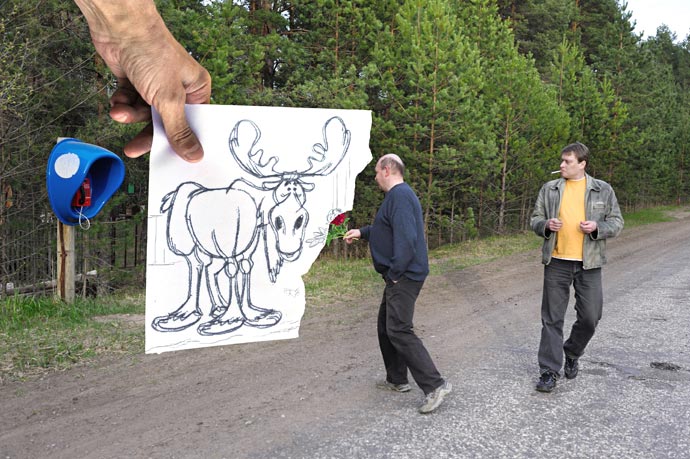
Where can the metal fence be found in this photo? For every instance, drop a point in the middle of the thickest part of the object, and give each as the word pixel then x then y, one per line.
pixel 109 254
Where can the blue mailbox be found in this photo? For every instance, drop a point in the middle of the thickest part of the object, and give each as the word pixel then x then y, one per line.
pixel 80 179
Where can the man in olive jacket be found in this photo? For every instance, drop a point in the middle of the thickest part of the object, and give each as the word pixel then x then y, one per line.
pixel 575 214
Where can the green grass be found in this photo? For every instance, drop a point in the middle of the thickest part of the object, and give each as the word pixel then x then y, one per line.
pixel 38 334
pixel 470 253
pixel 651 215
pixel 331 281
pixel 41 334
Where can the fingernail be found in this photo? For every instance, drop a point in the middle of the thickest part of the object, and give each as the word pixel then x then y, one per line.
pixel 194 155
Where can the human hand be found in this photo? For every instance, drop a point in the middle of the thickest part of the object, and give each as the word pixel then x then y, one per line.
pixel 588 226
pixel 554 224
pixel 152 69
pixel 352 235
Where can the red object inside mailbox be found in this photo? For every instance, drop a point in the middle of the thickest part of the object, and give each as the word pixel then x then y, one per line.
pixel 82 198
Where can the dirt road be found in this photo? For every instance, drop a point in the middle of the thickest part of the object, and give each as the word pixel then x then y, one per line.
pixel 315 396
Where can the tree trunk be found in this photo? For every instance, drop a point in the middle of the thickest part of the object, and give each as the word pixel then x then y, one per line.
pixel 452 218
pixel 432 138
pixel 504 172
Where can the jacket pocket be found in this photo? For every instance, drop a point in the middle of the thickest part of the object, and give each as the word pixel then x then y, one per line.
pixel 598 210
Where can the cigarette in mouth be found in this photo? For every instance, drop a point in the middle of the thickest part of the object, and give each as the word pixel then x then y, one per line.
pixel 556 172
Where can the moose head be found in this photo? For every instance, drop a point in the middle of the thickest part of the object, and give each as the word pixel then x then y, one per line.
pixel 287 216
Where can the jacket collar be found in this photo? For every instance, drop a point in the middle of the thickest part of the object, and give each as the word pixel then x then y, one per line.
pixel 591 183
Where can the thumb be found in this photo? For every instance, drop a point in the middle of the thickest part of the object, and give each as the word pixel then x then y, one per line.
pixel 180 136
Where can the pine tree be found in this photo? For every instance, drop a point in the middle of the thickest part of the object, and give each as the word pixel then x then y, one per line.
pixel 528 123
pixel 430 109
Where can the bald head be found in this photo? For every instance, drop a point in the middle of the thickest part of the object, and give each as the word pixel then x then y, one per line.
pixel 392 161
pixel 389 171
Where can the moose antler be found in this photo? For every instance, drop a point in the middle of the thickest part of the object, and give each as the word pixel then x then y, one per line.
pixel 336 141
pixel 244 136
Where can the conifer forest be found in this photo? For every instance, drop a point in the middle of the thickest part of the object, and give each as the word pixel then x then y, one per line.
pixel 476 96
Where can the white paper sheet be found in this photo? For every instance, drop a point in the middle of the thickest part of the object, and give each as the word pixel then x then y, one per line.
pixel 230 237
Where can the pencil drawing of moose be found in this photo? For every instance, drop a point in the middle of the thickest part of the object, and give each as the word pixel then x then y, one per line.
pixel 218 230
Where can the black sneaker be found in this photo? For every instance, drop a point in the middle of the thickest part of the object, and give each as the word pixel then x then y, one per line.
pixel 547 381
pixel 404 387
pixel 571 367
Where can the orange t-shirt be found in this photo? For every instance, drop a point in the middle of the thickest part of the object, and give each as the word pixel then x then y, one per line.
pixel 570 238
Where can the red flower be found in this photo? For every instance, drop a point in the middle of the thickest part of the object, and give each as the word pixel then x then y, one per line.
pixel 337 228
pixel 339 220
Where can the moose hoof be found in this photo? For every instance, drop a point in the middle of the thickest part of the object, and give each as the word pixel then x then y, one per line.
pixel 218 311
pixel 265 319
pixel 220 327
pixel 175 322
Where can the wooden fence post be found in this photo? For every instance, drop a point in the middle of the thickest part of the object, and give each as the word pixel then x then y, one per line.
pixel 65 262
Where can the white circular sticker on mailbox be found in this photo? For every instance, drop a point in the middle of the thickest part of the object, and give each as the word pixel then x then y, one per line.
pixel 67 165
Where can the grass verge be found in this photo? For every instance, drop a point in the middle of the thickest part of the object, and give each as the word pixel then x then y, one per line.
pixel 41 334
pixel 470 253
pixel 652 215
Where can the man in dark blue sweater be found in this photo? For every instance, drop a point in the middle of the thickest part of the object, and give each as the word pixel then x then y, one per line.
pixel 398 249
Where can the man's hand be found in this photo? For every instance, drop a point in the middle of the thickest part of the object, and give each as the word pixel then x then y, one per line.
pixel 352 235
pixel 554 224
pixel 152 69
pixel 588 226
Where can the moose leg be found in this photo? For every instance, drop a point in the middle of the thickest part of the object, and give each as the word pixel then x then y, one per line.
pixel 188 313
pixel 254 315
pixel 219 304
pixel 230 318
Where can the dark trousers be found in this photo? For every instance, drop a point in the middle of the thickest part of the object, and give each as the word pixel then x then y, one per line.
pixel 559 275
pixel 400 347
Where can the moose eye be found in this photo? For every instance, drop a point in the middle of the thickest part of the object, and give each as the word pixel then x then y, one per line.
pixel 279 223
pixel 299 222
